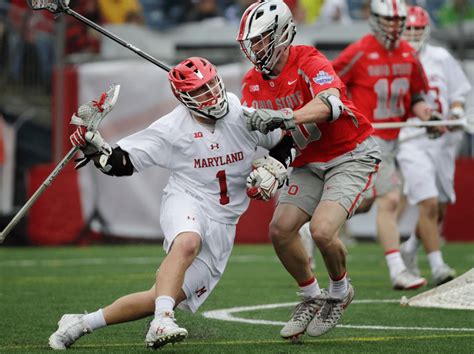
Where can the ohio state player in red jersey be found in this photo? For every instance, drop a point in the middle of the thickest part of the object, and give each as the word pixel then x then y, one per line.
pixel 297 88
pixel 386 82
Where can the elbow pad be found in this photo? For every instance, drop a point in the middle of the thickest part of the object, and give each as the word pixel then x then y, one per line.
pixel 334 103
pixel 116 164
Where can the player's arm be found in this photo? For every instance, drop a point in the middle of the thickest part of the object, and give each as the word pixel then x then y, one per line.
pixel 325 107
pixel 113 162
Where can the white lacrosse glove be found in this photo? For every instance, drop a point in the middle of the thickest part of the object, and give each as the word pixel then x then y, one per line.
pixel 268 175
pixel 261 184
pixel 91 144
pixel 265 120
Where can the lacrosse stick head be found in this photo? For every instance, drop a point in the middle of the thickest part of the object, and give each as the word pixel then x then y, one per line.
pixel 92 113
pixel 54 6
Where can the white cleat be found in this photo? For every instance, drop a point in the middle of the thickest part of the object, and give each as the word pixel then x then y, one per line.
pixel 410 258
pixel 443 274
pixel 164 330
pixel 70 328
pixel 330 313
pixel 302 315
pixel 405 280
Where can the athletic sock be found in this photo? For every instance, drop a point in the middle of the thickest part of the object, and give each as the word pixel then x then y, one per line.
pixel 435 259
pixel 163 303
pixel 309 288
pixel 95 319
pixel 338 287
pixel 412 244
pixel 394 262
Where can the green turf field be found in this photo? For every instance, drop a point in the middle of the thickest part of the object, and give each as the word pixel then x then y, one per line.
pixel 38 285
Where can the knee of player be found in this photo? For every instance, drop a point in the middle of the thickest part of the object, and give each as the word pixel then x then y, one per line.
pixel 429 208
pixel 323 232
pixel 280 234
pixel 389 202
pixel 187 244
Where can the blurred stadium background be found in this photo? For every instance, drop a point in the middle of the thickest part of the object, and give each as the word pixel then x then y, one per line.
pixel 49 66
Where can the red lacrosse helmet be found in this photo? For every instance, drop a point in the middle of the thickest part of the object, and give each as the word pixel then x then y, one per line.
pixel 197 85
pixel 417 30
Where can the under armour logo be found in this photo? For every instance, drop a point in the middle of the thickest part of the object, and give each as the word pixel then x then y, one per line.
pixel 214 146
pixel 198 135
pixel 200 292
pixel 191 218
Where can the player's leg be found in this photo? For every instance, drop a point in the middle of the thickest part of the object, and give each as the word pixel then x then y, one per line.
pixel 388 187
pixel 308 244
pixel 184 226
pixel 344 186
pixel 296 203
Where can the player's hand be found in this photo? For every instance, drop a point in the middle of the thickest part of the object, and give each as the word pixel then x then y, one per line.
pixel 91 144
pixel 265 120
pixel 436 132
pixel 261 184
pixel 455 113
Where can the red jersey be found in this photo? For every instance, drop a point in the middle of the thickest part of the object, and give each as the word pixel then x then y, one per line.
pixel 305 75
pixel 381 83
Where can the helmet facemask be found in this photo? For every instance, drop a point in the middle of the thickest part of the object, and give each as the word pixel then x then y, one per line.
pixel 266 31
pixel 197 85
pixel 208 101
pixel 388 30
pixel 417 31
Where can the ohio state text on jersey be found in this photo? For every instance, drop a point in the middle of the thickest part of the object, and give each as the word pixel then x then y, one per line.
pixel 306 74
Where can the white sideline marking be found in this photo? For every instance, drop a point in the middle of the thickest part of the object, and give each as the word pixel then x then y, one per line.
pixel 227 315
pixel 61 262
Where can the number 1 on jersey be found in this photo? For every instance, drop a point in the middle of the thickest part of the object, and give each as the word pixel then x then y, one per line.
pixel 224 199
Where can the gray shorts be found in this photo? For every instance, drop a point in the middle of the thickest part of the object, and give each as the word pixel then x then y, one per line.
pixel 342 180
pixel 388 176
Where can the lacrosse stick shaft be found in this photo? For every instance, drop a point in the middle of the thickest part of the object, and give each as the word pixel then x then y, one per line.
pixel 431 123
pixel 47 182
pixel 116 39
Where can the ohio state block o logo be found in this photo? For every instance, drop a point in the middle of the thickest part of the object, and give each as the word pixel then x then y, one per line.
pixel 293 189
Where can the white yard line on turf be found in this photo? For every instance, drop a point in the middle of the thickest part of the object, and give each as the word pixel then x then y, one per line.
pixel 122 260
pixel 228 315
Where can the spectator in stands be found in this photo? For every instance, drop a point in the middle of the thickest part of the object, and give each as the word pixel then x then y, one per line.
pixel 203 10
pixel 31 31
pixel 311 9
pixel 121 11
pixel 80 38
pixel 335 11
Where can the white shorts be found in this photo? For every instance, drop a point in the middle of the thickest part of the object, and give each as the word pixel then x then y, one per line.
pixel 179 213
pixel 428 167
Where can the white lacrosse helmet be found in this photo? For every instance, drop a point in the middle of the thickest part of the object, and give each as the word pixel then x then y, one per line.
pixel 417 27
pixel 197 85
pixel 266 30
pixel 387 20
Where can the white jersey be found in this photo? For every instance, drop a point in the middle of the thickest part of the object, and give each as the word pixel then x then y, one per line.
pixel 211 167
pixel 447 83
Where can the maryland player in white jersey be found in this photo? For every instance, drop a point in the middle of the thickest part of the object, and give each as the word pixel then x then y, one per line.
pixel 207 147
pixel 428 164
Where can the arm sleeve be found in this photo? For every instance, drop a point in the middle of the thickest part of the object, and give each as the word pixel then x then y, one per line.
pixel 149 147
pixel 458 84
pixel 320 75
pixel 344 64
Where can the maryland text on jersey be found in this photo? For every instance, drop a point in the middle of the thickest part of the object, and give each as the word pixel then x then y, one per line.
pixel 219 160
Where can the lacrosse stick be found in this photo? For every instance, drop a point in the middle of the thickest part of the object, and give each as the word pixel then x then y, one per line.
pixel 62 6
pixel 88 115
pixel 466 123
